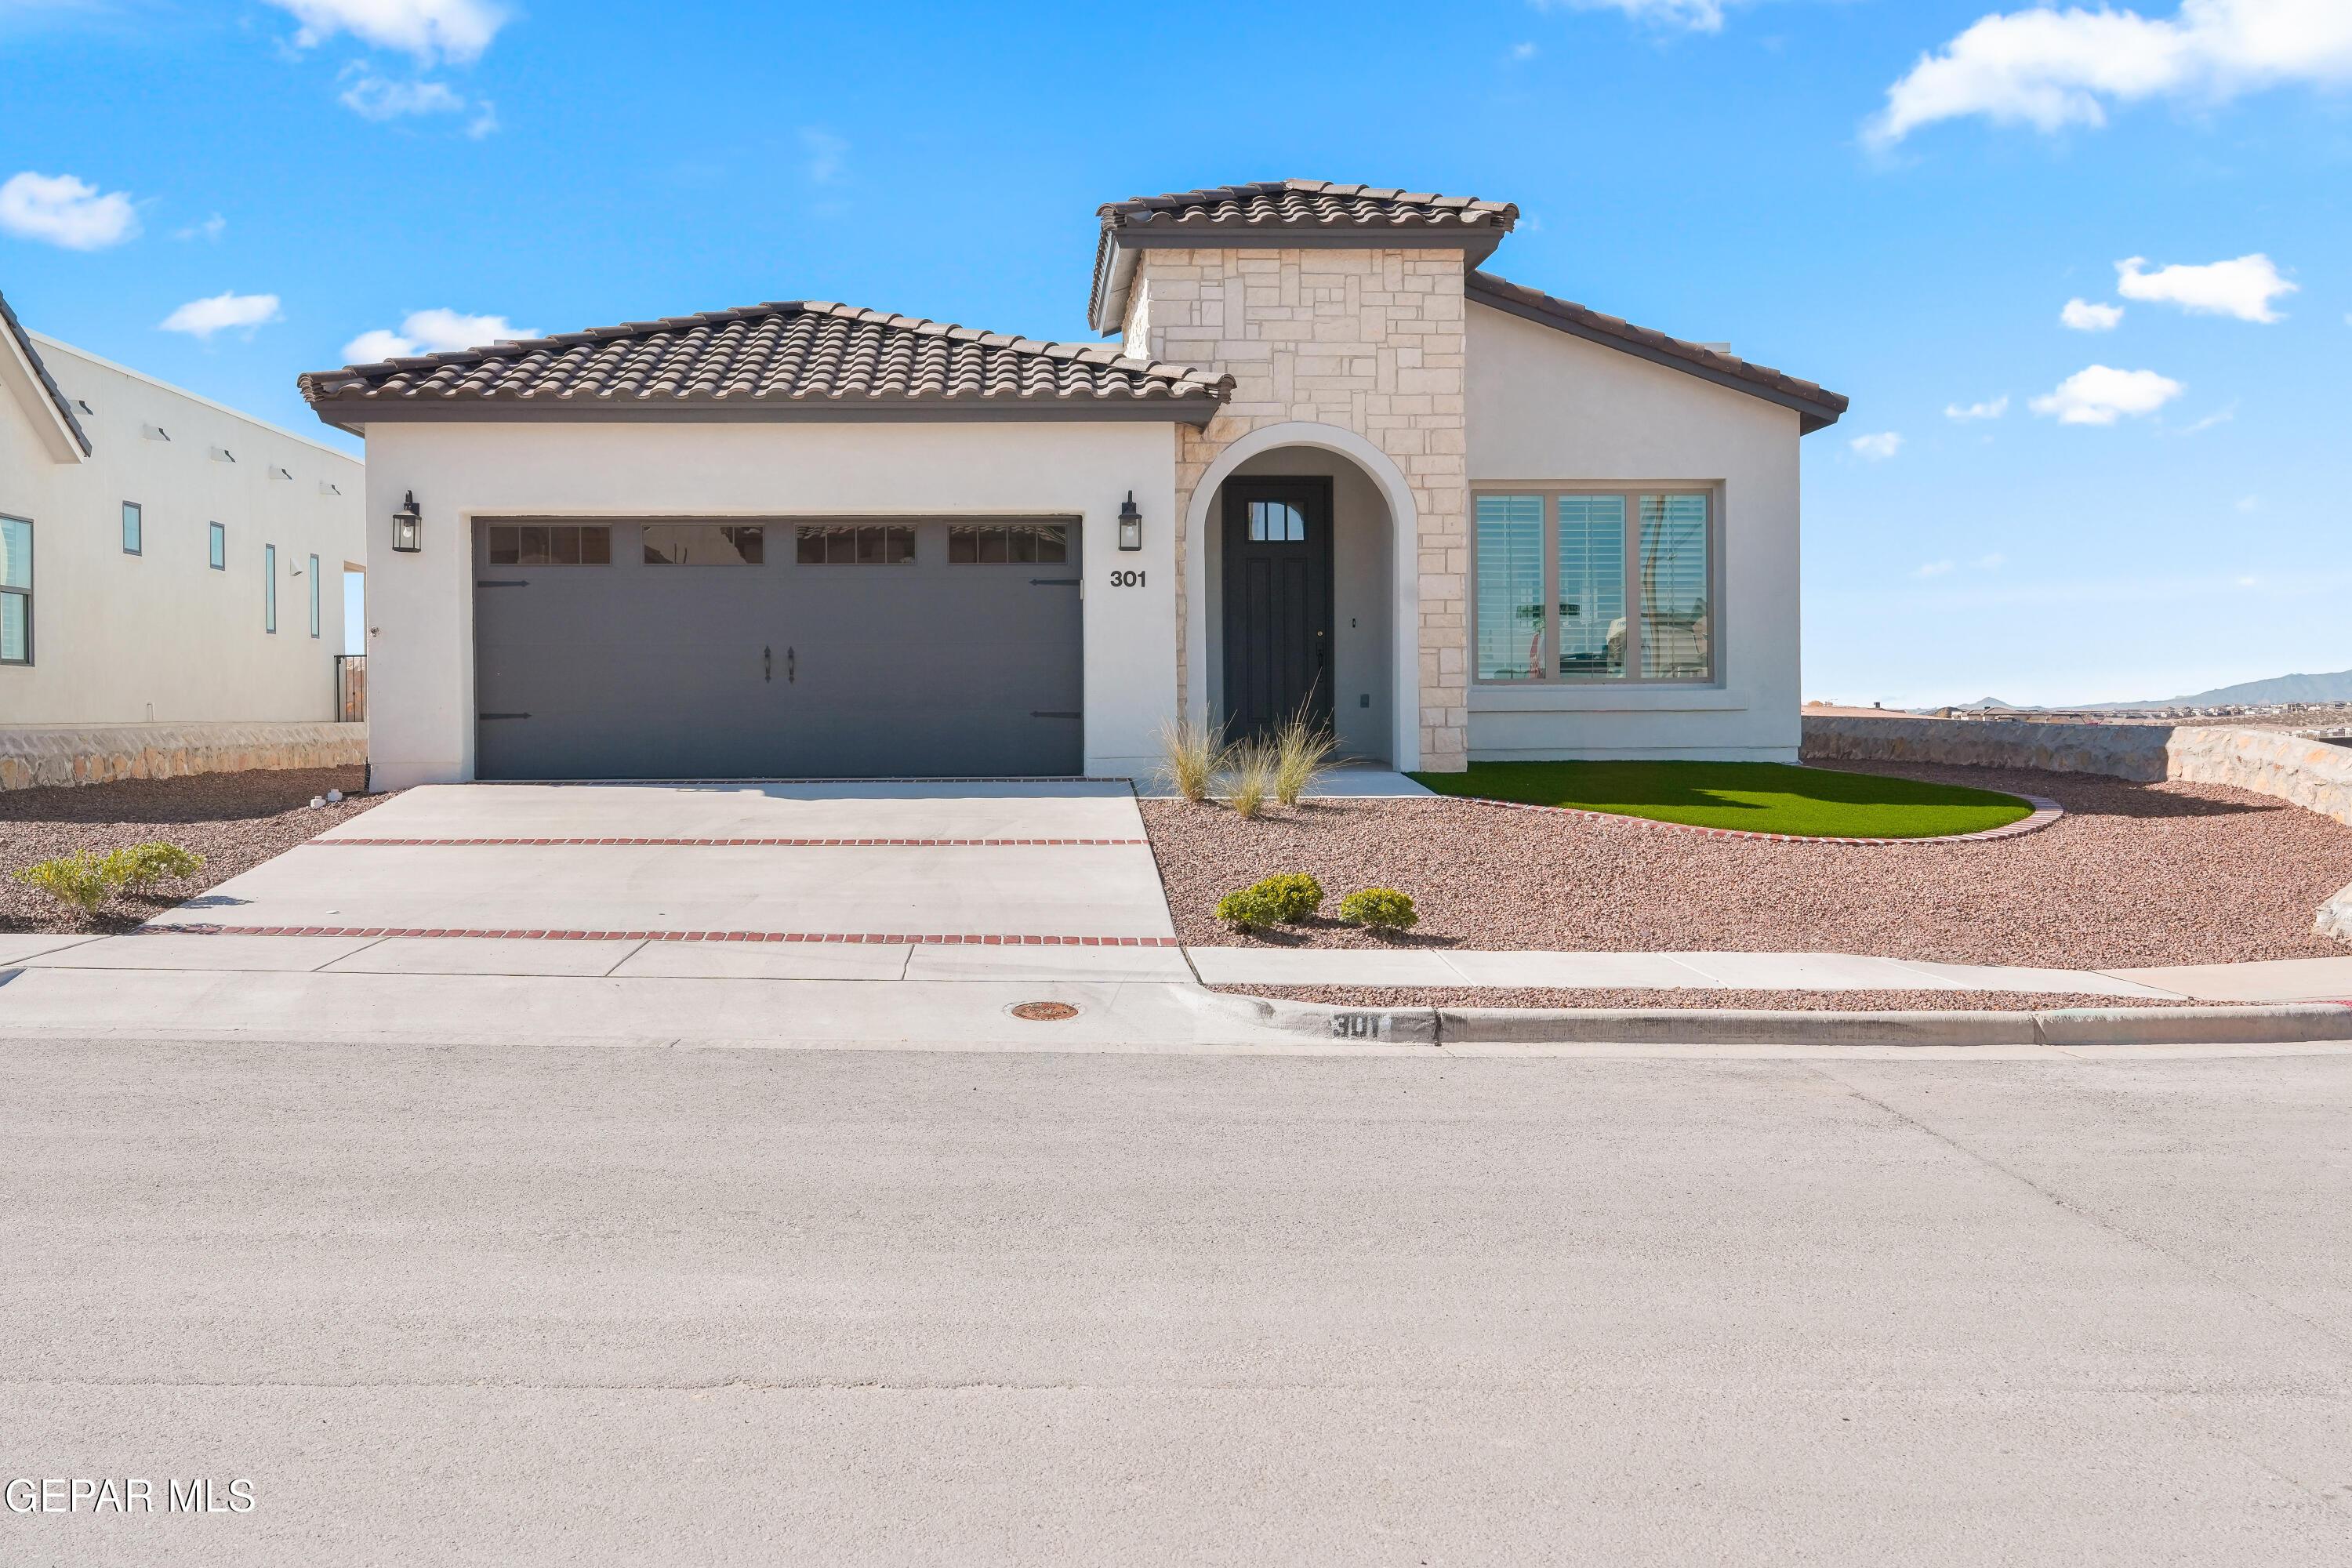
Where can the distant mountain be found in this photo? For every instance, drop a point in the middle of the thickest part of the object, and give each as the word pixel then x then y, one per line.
pixel 2335 688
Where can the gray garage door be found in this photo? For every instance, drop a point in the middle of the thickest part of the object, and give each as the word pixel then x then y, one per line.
pixel 777 649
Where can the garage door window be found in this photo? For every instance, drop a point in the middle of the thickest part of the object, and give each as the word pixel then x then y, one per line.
pixel 987 542
pixel 556 544
pixel 705 544
pixel 859 544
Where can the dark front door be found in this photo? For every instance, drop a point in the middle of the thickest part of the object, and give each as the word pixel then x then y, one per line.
pixel 1277 608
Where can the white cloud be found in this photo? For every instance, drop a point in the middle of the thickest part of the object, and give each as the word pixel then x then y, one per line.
pixel 1992 409
pixel 2250 504
pixel 485 121
pixel 1696 15
pixel 2051 69
pixel 827 155
pixel 1878 448
pixel 2085 317
pixel 2218 417
pixel 210 228
pixel 1932 569
pixel 431 331
pixel 1992 563
pixel 2243 288
pixel 201 318
pixel 2099 395
pixel 429 30
pixel 1523 51
pixel 374 97
pixel 64 211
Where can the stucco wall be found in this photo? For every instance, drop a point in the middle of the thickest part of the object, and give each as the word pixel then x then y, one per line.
pixel 1364 342
pixel 420 669
pixel 159 637
pixel 1548 408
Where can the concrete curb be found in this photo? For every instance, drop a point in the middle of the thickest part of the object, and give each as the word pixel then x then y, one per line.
pixel 2274 1024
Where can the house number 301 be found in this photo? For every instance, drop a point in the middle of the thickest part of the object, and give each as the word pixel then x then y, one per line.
pixel 1126 579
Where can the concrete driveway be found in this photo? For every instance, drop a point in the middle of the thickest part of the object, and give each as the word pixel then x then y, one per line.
pixel 626 874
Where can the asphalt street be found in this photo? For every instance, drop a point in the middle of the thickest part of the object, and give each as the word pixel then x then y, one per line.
pixel 583 1305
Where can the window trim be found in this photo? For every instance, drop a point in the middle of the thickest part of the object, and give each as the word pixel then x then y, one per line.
pixel 25 593
pixel 134 527
pixel 1635 631
pixel 269 589
pixel 217 546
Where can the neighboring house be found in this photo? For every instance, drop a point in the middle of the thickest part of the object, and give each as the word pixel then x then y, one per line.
pixel 1329 464
pixel 164 559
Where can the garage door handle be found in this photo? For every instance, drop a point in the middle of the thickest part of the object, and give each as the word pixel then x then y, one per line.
pixel 767 664
pixel 513 583
pixel 504 715
pixel 1034 714
pixel 791 666
pixel 1053 582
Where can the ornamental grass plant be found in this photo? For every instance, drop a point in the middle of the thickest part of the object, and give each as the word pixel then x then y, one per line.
pixel 1303 752
pixel 1251 765
pixel 1188 755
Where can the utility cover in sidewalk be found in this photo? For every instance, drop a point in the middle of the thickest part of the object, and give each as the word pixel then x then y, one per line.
pixel 1044 1012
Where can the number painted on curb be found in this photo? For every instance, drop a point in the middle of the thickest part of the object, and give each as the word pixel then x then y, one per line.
pixel 1126 579
pixel 1359 1026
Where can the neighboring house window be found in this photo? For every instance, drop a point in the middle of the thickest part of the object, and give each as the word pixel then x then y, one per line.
pixel 15 591
pixel 269 588
pixel 133 530
pixel 705 544
pixel 218 548
pixel 314 595
pixel 986 542
pixel 1552 574
pixel 860 545
pixel 554 545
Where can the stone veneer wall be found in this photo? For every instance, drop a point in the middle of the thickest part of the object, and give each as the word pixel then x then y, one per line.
pixel 36 755
pixel 1368 341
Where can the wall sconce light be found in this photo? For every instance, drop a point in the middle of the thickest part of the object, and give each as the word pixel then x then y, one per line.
pixel 406 522
pixel 1131 525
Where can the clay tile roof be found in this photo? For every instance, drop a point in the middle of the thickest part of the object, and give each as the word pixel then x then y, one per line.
pixel 1284 212
pixel 778 359
pixel 1816 407
pixel 1307 204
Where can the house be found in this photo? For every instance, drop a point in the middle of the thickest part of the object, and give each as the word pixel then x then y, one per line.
pixel 1329 464
pixel 164 561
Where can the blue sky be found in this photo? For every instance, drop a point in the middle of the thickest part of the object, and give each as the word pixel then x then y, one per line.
pixel 1897 198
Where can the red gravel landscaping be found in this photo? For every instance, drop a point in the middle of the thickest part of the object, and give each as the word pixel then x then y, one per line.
pixel 235 821
pixel 2136 874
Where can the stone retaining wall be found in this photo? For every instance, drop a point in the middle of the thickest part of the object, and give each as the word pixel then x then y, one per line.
pixel 33 755
pixel 2312 774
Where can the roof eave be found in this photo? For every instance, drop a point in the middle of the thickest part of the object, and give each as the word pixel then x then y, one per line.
pixel 1815 411
pixel 355 414
pixel 23 369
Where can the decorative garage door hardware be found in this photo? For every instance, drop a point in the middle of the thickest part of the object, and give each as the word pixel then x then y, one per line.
pixel 888 939
pixel 2045 811
pixel 722 843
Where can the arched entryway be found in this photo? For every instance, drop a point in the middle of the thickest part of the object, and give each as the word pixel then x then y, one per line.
pixel 1305 588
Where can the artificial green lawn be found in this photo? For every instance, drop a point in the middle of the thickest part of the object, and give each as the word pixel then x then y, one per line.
pixel 1756 798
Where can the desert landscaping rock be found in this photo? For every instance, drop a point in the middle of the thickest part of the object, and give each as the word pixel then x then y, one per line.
pixel 235 821
pixel 2136 874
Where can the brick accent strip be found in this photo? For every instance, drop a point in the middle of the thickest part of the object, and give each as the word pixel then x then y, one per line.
pixel 775 843
pixel 951 938
pixel 2045 811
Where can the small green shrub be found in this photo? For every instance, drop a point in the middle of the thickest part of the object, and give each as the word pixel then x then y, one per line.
pixel 1249 909
pixel 78 881
pixel 1381 909
pixel 141 865
pixel 1296 894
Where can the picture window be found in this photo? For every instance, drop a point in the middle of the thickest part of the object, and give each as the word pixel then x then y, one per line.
pixel 550 544
pixel 984 542
pixel 856 544
pixel 1554 571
